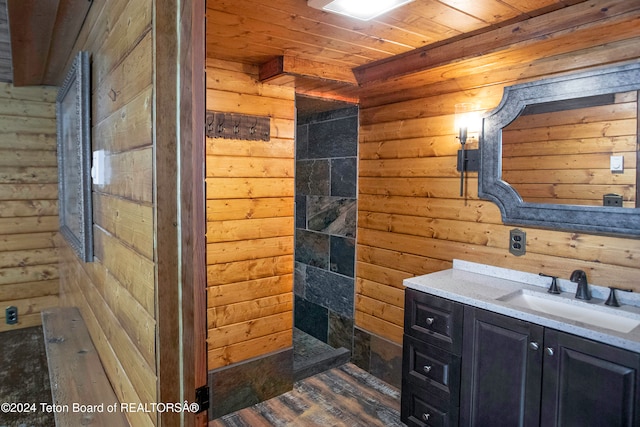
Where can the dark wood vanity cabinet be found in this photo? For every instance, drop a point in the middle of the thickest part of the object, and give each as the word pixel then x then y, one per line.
pixel 588 384
pixel 431 361
pixel 471 367
pixel 501 370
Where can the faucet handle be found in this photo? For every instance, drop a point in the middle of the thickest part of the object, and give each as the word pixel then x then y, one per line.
pixel 612 300
pixel 553 288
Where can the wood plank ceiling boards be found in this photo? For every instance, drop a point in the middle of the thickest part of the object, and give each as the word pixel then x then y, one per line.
pixel 331 56
pixel 42 35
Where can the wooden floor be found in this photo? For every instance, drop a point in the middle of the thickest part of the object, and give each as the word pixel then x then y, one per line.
pixel 343 396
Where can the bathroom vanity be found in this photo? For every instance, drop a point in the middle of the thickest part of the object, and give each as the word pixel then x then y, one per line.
pixel 486 346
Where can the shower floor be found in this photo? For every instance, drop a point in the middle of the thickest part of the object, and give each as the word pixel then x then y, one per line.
pixel 312 356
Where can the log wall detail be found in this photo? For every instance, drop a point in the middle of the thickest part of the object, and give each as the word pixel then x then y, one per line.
pixel 28 202
pixel 116 293
pixel 250 220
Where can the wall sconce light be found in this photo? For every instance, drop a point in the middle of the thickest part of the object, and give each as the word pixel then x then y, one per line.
pixel 466 120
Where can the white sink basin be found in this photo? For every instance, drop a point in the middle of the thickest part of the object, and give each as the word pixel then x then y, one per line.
pixel 572 309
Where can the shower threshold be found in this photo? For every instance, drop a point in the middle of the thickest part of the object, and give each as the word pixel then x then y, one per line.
pixel 312 356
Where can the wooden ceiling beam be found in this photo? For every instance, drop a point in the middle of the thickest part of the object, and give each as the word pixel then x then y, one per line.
pixel 536 28
pixel 42 36
pixel 290 66
pixel 71 15
pixel 31 24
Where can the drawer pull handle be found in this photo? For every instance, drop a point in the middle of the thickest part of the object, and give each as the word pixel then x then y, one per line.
pixel 549 351
pixel 429 321
pixel 534 346
pixel 427 368
pixel 426 416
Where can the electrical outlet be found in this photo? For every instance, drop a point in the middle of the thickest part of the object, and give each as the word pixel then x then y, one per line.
pixel 612 200
pixel 517 242
pixel 11 315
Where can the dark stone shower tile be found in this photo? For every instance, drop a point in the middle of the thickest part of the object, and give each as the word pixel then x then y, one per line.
pixel 324 116
pixel 250 382
pixel 332 215
pixel 312 248
pixel 311 318
pixel 343 177
pixel 340 331
pixel 330 290
pixel 386 360
pixel 335 138
pixel 301 212
pixel 361 354
pixel 299 278
pixel 302 138
pixel 312 178
pixel 342 255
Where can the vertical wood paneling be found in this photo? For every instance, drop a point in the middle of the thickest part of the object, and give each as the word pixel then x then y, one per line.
pixel 411 219
pixel 28 202
pixel 116 293
pixel 250 189
pixel 179 201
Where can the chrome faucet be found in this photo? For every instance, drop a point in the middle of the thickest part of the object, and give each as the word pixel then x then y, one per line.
pixel 580 277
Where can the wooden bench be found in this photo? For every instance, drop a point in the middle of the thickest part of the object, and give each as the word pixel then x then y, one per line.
pixel 81 391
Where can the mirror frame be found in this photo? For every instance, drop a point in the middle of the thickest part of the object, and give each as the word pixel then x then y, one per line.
pixel 74 172
pixel 515 211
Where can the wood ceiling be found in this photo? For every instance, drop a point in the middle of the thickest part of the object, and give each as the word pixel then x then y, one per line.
pixel 321 53
pixel 331 55
pixel 41 35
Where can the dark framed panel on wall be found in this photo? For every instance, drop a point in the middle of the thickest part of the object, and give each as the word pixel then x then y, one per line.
pixel 74 158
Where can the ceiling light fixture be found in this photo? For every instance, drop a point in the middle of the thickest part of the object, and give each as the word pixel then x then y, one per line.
pixel 359 9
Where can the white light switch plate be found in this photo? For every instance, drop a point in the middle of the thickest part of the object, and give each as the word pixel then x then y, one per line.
pixel 617 163
pixel 99 168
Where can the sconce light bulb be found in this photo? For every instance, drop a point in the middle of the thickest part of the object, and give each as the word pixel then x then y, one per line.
pixel 463 135
pixel 466 120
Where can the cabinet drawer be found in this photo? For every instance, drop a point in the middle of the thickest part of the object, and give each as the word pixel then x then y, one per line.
pixel 433 320
pixel 421 409
pixel 432 369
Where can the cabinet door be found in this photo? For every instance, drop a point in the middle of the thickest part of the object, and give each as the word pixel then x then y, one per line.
pixel 586 383
pixel 501 370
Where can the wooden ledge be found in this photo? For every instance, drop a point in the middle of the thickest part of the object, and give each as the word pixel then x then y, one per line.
pixel 80 388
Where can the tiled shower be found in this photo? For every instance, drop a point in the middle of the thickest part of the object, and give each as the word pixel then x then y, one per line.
pixel 326 178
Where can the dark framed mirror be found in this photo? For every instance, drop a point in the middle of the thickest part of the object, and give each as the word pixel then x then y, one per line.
pixel 74 158
pixel 562 153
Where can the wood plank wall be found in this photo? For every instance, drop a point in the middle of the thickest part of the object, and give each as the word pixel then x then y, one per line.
pixel 28 202
pixel 411 218
pixel 116 293
pixel 563 157
pixel 250 221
